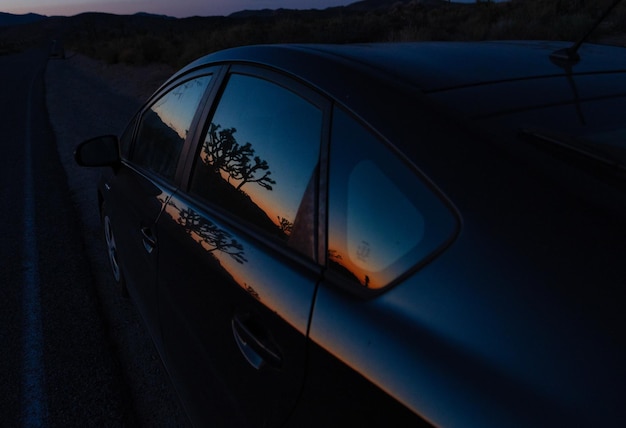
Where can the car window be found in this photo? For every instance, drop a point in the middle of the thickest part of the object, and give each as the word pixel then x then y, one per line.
pixel 259 159
pixel 164 127
pixel 383 219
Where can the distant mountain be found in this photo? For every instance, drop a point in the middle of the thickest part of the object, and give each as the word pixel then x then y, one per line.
pixel 152 15
pixel 8 19
pixel 365 5
pixel 359 6
pixel 261 13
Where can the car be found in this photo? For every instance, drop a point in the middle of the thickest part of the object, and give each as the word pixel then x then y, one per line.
pixel 57 51
pixel 393 234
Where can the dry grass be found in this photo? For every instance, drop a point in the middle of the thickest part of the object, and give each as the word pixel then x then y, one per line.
pixel 176 42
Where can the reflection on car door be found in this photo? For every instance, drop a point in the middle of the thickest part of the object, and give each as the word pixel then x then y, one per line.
pixel 140 188
pixel 133 206
pixel 244 240
pixel 383 220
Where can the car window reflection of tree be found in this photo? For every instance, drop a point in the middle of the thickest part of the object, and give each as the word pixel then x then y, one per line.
pixel 209 235
pixel 285 225
pixel 224 166
pixel 222 152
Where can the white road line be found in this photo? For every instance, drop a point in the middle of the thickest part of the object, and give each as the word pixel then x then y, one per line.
pixel 34 410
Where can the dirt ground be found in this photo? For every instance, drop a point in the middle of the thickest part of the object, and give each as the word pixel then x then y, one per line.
pixel 87 98
pixel 137 82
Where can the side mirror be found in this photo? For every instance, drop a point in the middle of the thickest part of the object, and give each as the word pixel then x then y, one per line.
pixel 99 151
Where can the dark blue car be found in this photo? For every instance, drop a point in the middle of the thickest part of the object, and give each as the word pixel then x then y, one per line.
pixel 380 235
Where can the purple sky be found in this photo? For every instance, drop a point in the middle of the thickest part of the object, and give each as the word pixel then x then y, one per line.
pixel 177 8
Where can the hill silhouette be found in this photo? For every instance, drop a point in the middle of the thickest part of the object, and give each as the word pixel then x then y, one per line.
pixel 144 38
pixel 8 19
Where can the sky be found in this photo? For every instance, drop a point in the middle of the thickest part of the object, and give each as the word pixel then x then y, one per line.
pixel 176 8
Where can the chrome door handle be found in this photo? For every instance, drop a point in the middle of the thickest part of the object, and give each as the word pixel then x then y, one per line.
pixel 256 348
pixel 149 241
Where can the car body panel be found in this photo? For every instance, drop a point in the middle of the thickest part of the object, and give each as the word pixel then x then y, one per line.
pixel 229 278
pixel 518 323
pixel 436 66
pixel 516 318
pixel 134 203
pixel 235 291
pixel 477 327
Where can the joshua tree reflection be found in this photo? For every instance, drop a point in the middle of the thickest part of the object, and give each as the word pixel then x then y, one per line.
pixel 224 166
pixel 210 236
pixel 222 153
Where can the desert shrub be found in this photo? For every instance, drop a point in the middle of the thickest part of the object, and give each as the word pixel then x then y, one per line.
pixel 141 40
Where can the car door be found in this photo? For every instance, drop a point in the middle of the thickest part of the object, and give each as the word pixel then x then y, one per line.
pixel 137 191
pixel 385 221
pixel 238 253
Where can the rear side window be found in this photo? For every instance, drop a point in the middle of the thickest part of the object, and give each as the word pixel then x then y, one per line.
pixel 164 126
pixel 383 219
pixel 259 159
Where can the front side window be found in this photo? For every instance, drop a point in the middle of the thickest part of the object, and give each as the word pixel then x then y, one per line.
pixel 164 127
pixel 383 219
pixel 259 159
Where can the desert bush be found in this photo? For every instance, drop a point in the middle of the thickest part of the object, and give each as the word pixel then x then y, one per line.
pixel 135 40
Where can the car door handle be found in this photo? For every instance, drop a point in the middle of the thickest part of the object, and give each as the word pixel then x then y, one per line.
pixel 149 241
pixel 258 350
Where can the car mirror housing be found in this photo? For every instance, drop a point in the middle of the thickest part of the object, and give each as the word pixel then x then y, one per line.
pixel 99 151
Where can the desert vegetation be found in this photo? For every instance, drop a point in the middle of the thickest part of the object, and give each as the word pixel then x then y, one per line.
pixel 143 39
pixel 177 41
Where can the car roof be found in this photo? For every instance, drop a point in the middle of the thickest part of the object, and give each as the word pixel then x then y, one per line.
pixel 502 86
pixel 428 66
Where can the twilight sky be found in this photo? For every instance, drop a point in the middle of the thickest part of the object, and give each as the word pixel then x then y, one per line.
pixel 177 8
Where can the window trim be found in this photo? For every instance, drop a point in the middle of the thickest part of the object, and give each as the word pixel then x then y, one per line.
pixel 340 280
pixel 196 129
pixel 131 128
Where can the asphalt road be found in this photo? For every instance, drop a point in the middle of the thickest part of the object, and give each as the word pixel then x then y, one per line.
pixel 73 352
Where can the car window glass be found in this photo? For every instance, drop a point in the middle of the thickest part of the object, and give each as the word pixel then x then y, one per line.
pixel 164 127
pixel 369 241
pixel 259 159
pixel 383 218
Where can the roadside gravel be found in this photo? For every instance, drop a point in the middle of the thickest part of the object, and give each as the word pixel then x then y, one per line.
pixel 86 98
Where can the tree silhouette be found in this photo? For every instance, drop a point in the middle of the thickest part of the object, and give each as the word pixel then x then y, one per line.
pixel 253 172
pixel 285 225
pixel 334 255
pixel 222 152
pixel 217 239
